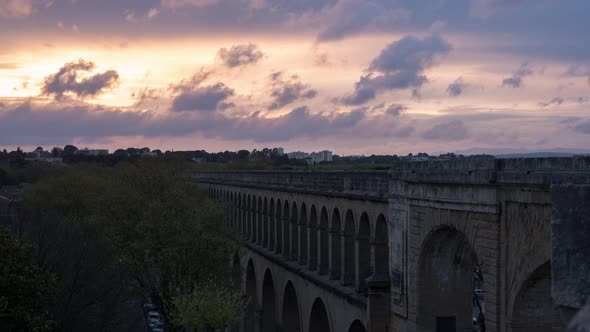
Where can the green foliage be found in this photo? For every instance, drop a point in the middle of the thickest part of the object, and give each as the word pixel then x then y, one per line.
pixel 138 228
pixel 25 290
pixel 210 305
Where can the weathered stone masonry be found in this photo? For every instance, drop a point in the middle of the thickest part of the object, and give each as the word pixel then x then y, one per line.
pixel 396 251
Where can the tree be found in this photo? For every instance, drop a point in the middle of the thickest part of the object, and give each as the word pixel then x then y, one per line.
pixel 117 234
pixel 210 306
pixel 25 289
pixel 70 150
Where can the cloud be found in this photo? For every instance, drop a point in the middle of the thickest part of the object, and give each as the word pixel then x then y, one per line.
pixel 285 92
pixel 348 17
pixel 487 8
pixel 400 65
pixel 299 123
pixel 70 79
pixel 175 4
pixel 457 87
pixel 452 131
pixel 59 123
pixel 583 127
pixel 555 101
pixel 240 55
pixel 15 8
pixel 203 98
pixel 133 18
pixel 578 71
pixel 515 81
pixel 395 109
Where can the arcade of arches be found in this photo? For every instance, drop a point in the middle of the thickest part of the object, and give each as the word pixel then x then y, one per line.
pixel 346 252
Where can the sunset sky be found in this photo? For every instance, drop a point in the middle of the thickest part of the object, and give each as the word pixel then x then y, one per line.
pixel 352 76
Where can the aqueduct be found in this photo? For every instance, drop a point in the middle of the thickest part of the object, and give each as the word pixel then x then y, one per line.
pixel 427 246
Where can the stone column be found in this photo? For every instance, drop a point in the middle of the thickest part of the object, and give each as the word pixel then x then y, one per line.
pixel 378 304
pixel 334 271
pixel 258 320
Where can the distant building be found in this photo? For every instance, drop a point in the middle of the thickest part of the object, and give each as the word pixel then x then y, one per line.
pixel 298 155
pixel 93 152
pixel 312 158
pixel 318 157
pixel 280 151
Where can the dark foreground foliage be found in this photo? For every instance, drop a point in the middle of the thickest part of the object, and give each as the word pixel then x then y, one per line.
pixel 114 236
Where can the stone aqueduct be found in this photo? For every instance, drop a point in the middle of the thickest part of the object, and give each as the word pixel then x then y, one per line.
pixel 427 246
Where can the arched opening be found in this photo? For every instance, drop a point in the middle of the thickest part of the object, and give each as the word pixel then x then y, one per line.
pixel 259 222
pixel 446 282
pixel 291 316
pixel 364 252
pixel 269 305
pixel 313 239
pixel 286 231
pixel 303 235
pixel 279 223
pixel 271 225
pixel 335 246
pixel 381 243
pixel 318 320
pixel 294 232
pixel 324 245
pixel 250 315
pixel 357 326
pixel 349 250
pixel 533 308
pixel 265 225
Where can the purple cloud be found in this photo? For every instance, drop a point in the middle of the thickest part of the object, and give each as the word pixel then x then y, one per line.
pixel 400 65
pixel 515 81
pixel 285 92
pixel 70 79
pixel 452 131
pixel 457 87
pixel 206 98
pixel 555 101
pixel 240 55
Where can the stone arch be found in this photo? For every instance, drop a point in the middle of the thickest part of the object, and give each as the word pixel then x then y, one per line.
pixel 279 224
pixel 446 269
pixel 291 312
pixel 251 293
pixel 533 308
pixel 335 245
pixel 259 222
pixel 313 239
pixel 381 243
pixel 271 225
pixel 364 252
pixel 303 235
pixel 265 226
pixel 294 232
pixel 269 303
pixel 318 319
pixel 324 242
pixel 357 326
pixel 348 277
pixel 286 230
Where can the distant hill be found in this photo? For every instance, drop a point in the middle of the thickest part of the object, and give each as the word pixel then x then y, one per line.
pixel 526 153
pixel 537 155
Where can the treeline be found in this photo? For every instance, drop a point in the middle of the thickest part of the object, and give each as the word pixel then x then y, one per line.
pixel 105 239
